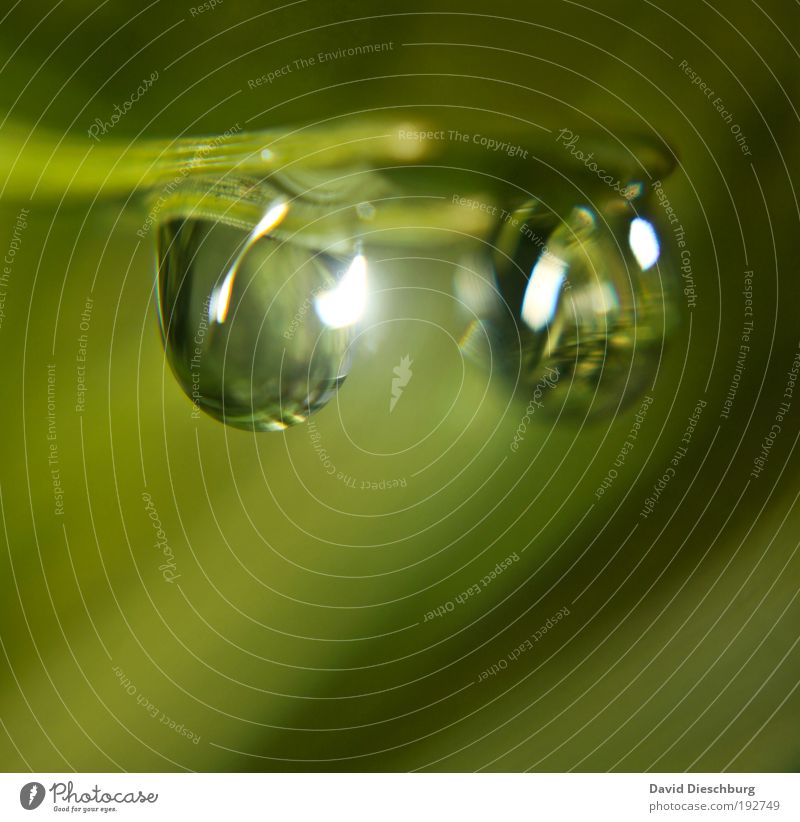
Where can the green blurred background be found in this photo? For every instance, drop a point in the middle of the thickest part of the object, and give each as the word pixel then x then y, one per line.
pixel 295 636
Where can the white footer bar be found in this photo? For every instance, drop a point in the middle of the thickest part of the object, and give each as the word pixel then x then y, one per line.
pixel 402 797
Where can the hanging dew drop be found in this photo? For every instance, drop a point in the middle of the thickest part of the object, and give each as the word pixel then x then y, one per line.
pixel 582 297
pixel 262 284
pixel 256 326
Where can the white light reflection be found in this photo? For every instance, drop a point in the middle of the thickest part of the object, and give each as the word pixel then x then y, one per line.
pixel 345 304
pixel 272 219
pixel 541 296
pixel 220 300
pixel 644 243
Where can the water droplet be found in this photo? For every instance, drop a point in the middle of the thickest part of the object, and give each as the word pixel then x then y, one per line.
pixel 256 324
pixel 366 211
pixel 583 297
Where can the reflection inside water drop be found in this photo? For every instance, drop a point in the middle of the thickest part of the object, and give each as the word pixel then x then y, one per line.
pixel 582 297
pixel 256 326
pixel 262 282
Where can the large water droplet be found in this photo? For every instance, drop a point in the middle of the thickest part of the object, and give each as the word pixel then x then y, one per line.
pixel 256 325
pixel 582 297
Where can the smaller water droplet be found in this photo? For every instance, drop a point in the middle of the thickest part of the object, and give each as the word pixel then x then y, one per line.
pixel 366 211
pixel 581 296
pixel 256 325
